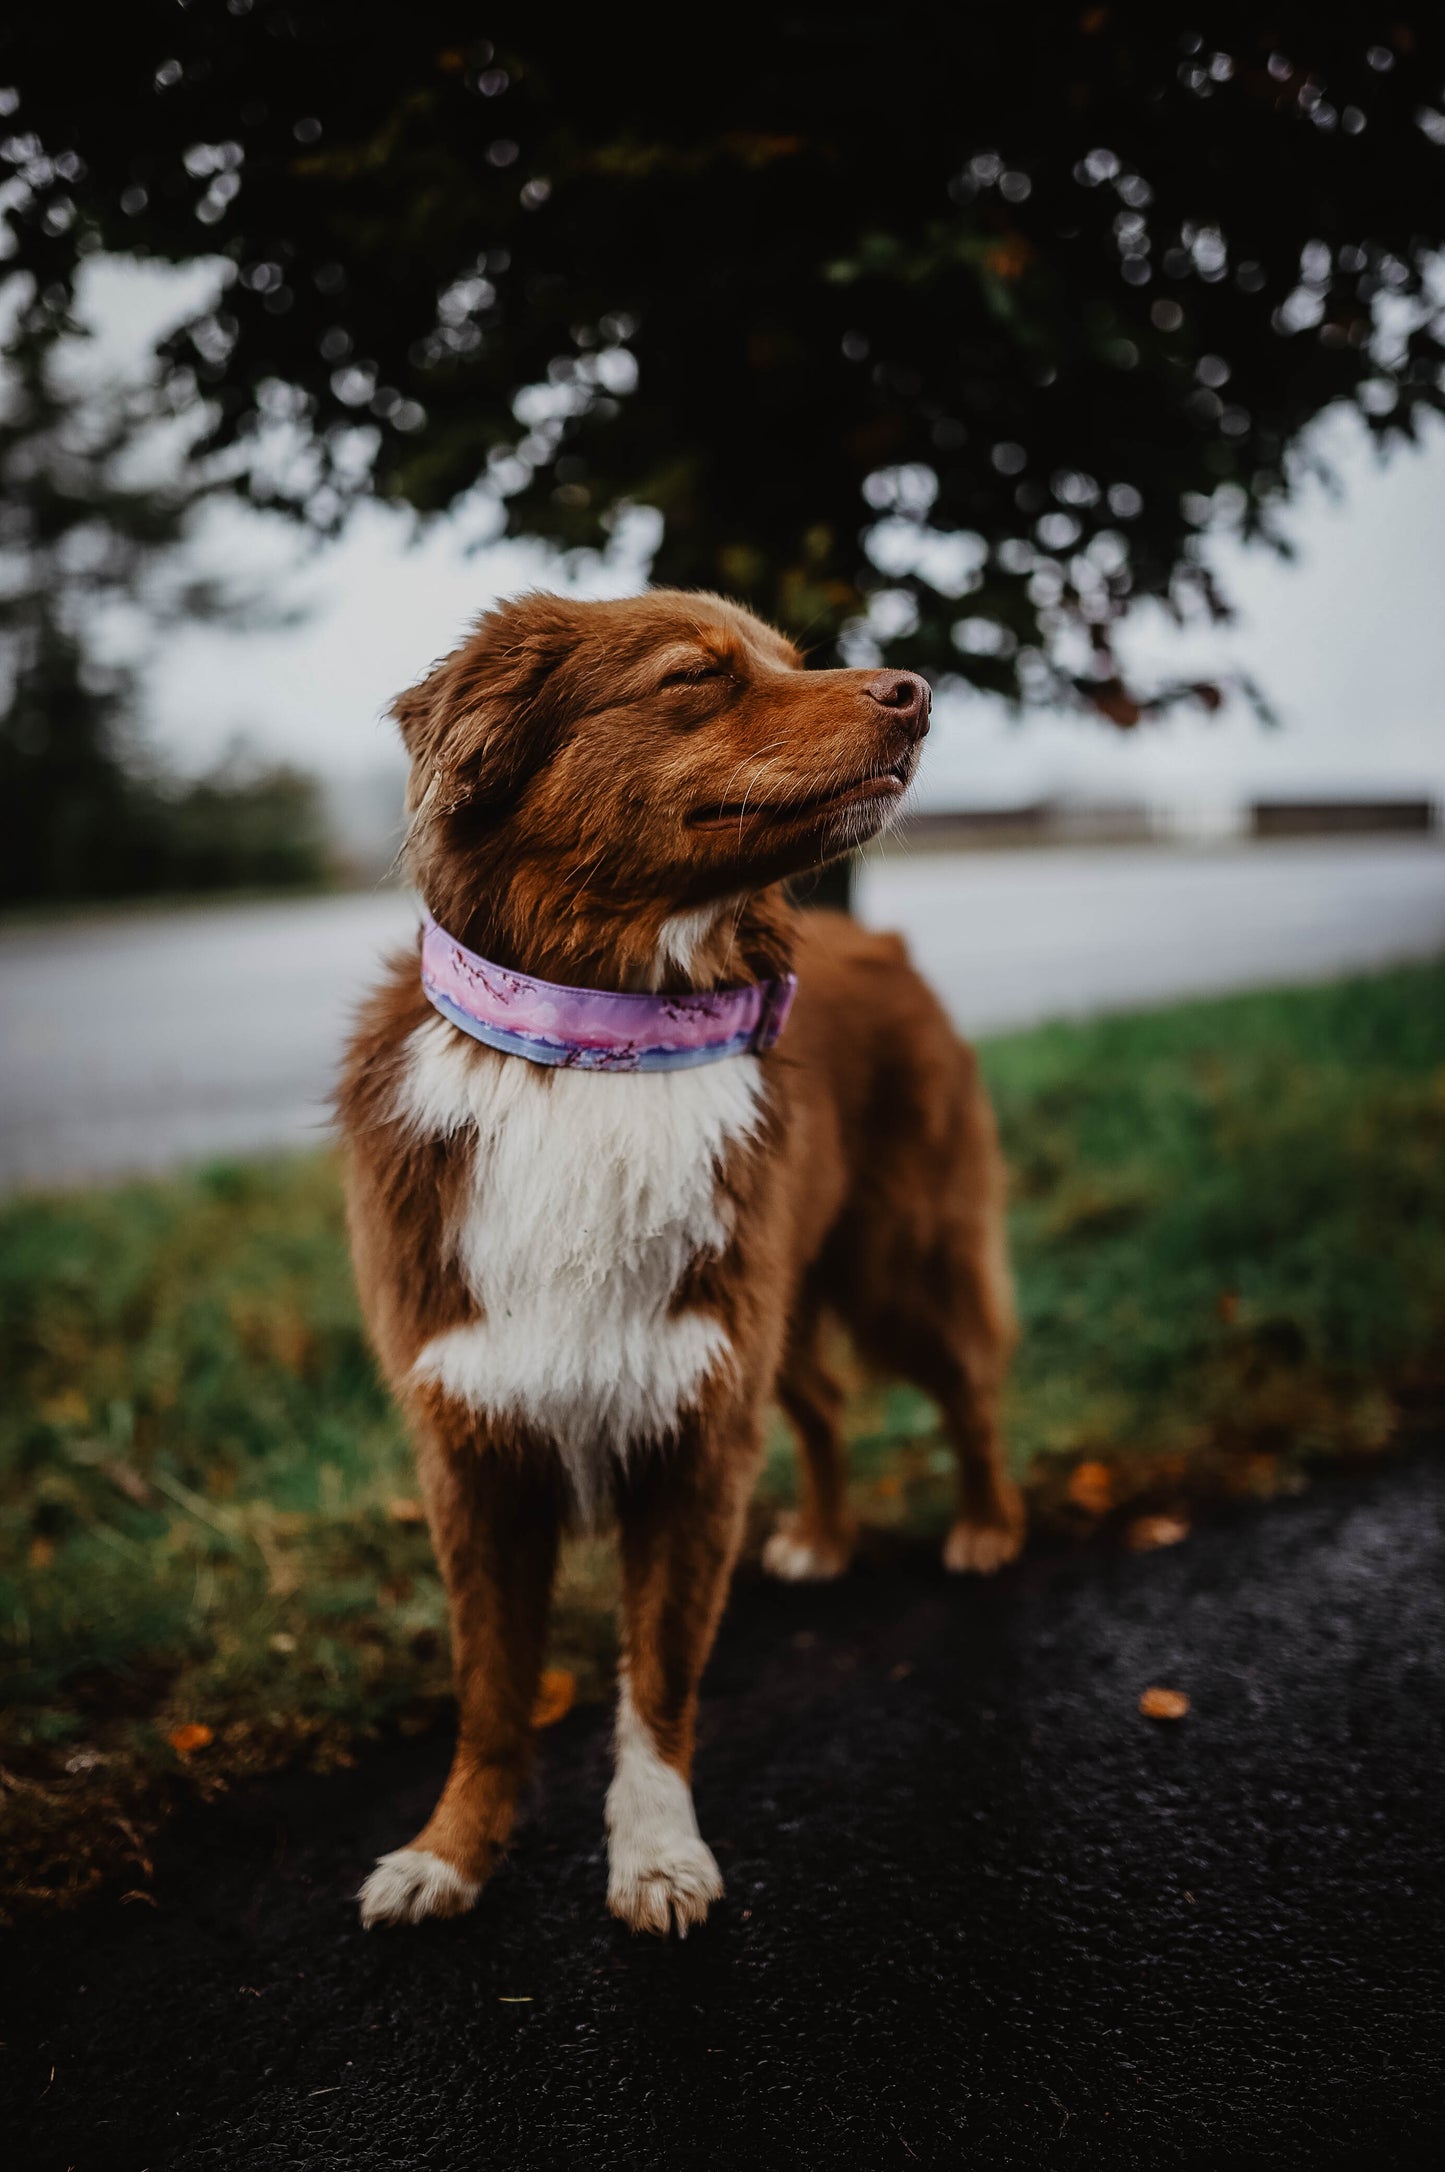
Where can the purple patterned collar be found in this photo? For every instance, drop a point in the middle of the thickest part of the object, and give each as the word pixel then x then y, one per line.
pixel 593 1029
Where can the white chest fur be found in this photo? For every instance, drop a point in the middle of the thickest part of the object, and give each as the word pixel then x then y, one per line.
pixel 590 1196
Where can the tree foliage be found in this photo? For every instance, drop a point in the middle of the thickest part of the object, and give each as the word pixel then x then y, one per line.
pixel 933 331
pixel 87 535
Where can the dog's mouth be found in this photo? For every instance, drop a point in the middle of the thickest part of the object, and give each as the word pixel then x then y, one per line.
pixel 878 785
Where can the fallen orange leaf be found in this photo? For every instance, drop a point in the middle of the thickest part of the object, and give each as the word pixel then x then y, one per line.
pixel 1261 1474
pixel 404 1510
pixel 193 1736
pixel 1164 1704
pixel 1147 1532
pixel 1009 257
pixel 1091 1486
pixel 555 1694
pixel 42 1553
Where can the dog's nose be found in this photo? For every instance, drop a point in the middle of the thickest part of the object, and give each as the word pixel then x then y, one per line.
pixel 906 696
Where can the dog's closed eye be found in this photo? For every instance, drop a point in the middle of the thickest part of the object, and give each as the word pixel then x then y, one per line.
pixel 695 674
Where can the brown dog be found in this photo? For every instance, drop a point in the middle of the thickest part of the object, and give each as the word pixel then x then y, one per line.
pixel 586 1286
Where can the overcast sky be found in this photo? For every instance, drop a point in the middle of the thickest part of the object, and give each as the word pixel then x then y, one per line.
pixel 1348 640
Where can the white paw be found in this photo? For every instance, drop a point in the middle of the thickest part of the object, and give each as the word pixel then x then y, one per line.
pixel 660 1871
pixel 797 1560
pixel 663 1890
pixel 980 1548
pixel 411 1884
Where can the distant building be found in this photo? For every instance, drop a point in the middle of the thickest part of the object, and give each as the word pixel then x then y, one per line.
pixel 1075 819
pixel 1342 817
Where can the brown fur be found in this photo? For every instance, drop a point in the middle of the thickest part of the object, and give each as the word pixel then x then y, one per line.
pixel 576 782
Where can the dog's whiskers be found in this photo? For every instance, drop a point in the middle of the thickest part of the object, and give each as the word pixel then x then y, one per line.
pixel 756 756
pixel 743 903
pixel 743 809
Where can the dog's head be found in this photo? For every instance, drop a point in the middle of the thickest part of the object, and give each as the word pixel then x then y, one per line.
pixel 611 766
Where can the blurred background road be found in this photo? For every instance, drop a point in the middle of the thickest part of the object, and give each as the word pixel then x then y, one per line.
pixel 145 1040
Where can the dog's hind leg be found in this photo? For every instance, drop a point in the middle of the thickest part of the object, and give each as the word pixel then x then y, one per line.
pixel 680 1516
pixel 976 1328
pixel 944 1319
pixel 495 1525
pixel 988 1526
pixel 956 1342
pixel 815 1540
pixel 945 1347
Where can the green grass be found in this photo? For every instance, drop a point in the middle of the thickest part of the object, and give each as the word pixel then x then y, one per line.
pixel 1229 1231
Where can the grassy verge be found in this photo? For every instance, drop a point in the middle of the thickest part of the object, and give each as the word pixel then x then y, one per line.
pixel 1229 1229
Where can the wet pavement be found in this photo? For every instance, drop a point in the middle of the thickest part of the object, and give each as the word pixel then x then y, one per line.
pixel 145 1040
pixel 979 1910
pixel 1013 938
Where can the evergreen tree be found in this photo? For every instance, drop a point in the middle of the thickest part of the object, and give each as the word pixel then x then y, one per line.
pixel 84 534
pixel 75 818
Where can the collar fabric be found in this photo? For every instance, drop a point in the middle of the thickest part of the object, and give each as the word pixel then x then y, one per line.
pixel 594 1029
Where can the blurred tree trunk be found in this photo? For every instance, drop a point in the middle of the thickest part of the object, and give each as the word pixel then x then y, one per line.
pixel 832 887
pixel 826 888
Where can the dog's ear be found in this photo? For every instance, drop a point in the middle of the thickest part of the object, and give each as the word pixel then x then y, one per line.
pixel 488 716
pixel 415 714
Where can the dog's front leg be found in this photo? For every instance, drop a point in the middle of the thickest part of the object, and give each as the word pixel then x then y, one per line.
pixel 681 1523
pixel 495 1520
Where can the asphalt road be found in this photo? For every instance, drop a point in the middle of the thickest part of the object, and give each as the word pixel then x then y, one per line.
pixel 979 1910
pixel 1013 938
pixel 146 1040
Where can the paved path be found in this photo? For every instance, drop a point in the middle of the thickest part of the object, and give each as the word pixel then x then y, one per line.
pixel 979 1911
pixel 143 1040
